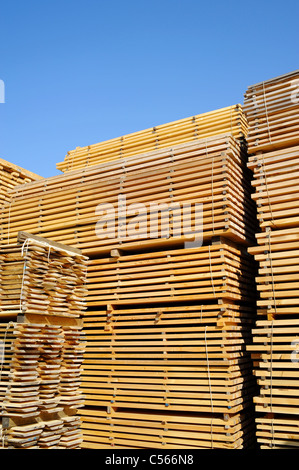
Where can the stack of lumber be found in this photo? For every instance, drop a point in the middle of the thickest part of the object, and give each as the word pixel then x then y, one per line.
pixel 210 172
pixel 70 376
pixel 41 279
pixel 161 430
pixel 166 324
pixel 6 338
pixel 274 162
pixel 183 352
pixel 277 280
pixel 177 358
pixel 11 176
pixel 42 349
pixel 275 181
pixel 271 108
pixel 276 355
pixel 278 431
pixel 201 126
pixel 207 272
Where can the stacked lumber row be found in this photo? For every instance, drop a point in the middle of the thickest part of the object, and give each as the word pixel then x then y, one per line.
pixel 276 178
pixel 276 183
pixel 201 273
pixel 275 350
pixel 277 280
pixel 42 348
pixel 202 126
pixel 183 352
pixel 278 431
pixel 145 430
pixel 208 173
pixel 41 279
pixel 272 111
pixel 276 347
pixel 177 358
pixel 274 162
pixel 39 388
pixel 189 367
pixel 61 433
pixel 6 339
pixel 11 176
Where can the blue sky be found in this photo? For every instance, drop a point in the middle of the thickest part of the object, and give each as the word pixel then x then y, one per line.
pixel 79 72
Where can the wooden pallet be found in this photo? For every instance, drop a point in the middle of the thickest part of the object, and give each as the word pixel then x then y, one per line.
pixel 140 430
pixel 271 108
pixel 202 126
pixel 212 173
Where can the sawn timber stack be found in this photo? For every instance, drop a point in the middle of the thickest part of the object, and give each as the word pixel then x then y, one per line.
pixel 190 308
pixel 41 336
pixel 202 126
pixel 211 173
pixel 273 143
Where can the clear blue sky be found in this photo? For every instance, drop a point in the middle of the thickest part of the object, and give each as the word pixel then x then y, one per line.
pixel 79 72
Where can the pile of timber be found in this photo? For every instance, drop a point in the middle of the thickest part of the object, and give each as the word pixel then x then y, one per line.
pixel 274 162
pixel 201 273
pixel 11 176
pixel 275 352
pixel 276 179
pixel 277 280
pixel 43 279
pixel 162 430
pixel 166 324
pixel 278 431
pixel 177 358
pixel 211 173
pixel 42 349
pixel 271 108
pixel 183 352
pixel 230 119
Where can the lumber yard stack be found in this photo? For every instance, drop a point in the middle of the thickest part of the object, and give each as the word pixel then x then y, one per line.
pixel 272 109
pixel 221 121
pixel 168 316
pixel 41 301
pixel 11 176
pixel 67 208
